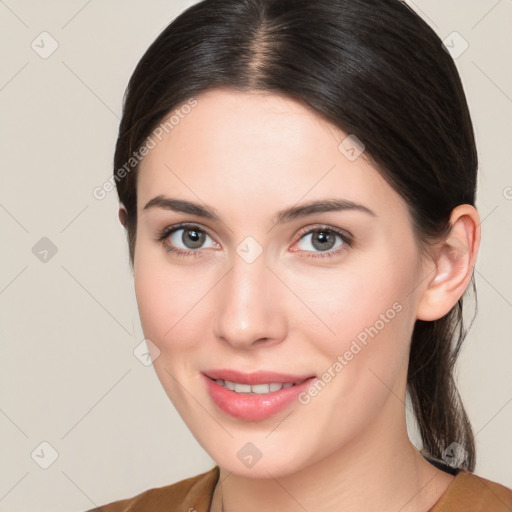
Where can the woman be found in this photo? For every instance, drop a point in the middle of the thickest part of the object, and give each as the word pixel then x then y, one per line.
pixel 297 183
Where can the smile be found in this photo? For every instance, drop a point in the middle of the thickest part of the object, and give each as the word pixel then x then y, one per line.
pixel 254 396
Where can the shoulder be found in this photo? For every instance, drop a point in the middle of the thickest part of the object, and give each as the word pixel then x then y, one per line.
pixel 190 495
pixel 471 493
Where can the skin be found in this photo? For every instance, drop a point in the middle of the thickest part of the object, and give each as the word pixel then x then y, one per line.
pixel 249 156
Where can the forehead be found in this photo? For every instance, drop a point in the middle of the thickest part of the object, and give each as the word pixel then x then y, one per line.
pixel 244 148
pixel 225 122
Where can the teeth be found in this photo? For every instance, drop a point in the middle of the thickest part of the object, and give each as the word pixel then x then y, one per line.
pixel 259 389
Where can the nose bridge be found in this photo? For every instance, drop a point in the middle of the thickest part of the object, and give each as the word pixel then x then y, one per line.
pixel 248 308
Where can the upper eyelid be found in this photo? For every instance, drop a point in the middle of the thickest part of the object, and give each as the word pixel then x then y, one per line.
pixel 187 225
pixel 326 227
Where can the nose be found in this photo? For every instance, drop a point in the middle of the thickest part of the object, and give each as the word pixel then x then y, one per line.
pixel 250 312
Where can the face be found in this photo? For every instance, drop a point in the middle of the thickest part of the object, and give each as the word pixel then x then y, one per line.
pixel 326 296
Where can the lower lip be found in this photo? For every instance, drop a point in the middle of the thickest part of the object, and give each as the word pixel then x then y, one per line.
pixel 252 406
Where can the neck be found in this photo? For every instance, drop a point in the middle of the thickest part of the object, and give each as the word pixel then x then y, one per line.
pixel 380 469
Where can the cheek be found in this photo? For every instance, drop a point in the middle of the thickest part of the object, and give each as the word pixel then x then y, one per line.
pixel 152 298
pixel 174 307
pixel 166 309
pixel 163 300
pixel 364 365
pixel 370 297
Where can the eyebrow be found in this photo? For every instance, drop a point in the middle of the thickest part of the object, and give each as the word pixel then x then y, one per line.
pixel 283 216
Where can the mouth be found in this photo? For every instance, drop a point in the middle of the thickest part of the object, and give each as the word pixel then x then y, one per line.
pixel 254 396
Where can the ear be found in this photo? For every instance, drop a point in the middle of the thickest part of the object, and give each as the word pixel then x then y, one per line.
pixel 454 260
pixel 122 214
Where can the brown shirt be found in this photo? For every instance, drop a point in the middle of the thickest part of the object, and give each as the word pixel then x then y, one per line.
pixel 466 493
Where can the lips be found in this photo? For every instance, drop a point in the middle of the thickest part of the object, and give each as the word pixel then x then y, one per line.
pixel 254 403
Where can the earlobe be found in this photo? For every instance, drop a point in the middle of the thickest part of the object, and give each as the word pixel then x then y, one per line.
pixel 454 261
pixel 122 214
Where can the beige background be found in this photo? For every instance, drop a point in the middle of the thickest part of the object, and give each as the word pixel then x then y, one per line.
pixel 68 375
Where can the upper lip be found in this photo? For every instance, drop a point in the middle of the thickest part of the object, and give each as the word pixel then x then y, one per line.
pixel 252 378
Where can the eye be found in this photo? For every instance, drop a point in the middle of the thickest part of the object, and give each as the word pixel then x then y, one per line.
pixel 184 239
pixel 325 239
pixel 188 240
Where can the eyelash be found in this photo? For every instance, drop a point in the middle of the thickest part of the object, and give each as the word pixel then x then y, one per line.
pixel 166 232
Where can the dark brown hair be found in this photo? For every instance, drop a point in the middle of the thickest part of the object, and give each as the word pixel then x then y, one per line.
pixel 373 68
